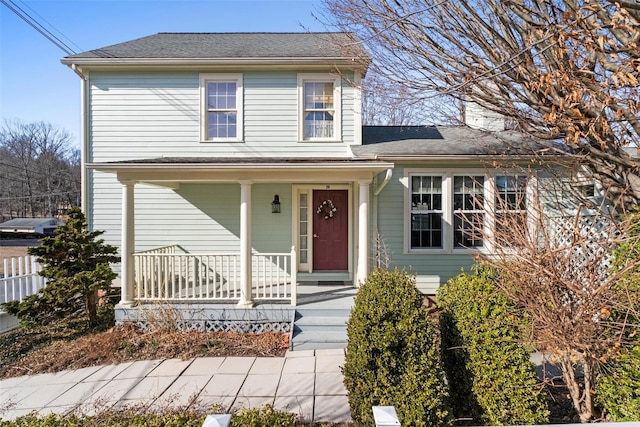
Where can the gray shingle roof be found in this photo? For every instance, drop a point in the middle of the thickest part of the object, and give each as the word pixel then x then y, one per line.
pixel 232 45
pixel 412 141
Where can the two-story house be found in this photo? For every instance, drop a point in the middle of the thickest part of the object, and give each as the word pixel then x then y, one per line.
pixel 234 166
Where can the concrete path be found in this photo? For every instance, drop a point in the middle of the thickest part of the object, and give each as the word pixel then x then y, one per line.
pixel 308 383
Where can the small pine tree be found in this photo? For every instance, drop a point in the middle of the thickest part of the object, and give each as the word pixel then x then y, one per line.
pixel 76 265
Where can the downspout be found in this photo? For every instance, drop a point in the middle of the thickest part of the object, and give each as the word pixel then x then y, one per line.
pixel 377 191
pixel 384 182
pixel 83 142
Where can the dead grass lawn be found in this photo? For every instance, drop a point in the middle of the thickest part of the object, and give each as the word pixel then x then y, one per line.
pixel 129 344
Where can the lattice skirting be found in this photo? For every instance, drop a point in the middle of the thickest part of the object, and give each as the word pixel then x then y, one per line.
pixel 207 319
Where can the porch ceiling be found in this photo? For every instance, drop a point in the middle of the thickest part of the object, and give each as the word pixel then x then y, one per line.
pixel 173 171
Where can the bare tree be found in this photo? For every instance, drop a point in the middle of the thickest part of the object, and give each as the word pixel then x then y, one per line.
pixel 556 254
pixel 390 104
pixel 38 170
pixel 557 69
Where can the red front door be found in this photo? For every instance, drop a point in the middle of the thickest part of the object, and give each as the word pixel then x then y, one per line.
pixel 330 230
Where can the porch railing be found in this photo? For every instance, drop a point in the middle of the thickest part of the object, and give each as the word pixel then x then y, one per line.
pixel 169 274
pixel 20 279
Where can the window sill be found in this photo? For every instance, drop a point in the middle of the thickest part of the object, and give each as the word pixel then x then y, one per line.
pixel 221 141
pixel 435 251
pixel 321 141
pixel 457 251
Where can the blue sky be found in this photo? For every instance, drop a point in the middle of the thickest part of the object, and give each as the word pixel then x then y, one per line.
pixel 35 86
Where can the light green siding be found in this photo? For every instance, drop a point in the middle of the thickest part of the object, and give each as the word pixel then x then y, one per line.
pixel 146 115
pixel 202 218
pixel 431 269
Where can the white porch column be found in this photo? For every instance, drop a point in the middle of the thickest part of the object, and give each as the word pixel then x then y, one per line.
pixel 127 243
pixel 245 245
pixel 363 231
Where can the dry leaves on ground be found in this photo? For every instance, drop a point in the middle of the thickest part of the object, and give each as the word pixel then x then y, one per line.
pixel 128 344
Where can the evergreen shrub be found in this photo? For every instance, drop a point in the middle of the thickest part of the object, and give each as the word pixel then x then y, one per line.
pixel 76 264
pixel 392 354
pixel 491 378
pixel 618 386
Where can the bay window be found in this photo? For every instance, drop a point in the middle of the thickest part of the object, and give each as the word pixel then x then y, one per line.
pixel 447 212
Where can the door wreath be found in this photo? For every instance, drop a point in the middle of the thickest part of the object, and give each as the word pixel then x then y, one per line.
pixel 326 209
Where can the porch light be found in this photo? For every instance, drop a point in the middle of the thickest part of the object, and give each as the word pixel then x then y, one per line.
pixel 275 205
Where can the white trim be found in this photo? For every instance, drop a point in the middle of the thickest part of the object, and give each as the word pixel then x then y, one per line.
pixel 246 282
pixel 362 268
pixel 357 108
pixel 337 105
pixel 222 77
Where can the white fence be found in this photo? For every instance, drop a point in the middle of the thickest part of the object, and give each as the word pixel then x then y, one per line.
pixel 20 279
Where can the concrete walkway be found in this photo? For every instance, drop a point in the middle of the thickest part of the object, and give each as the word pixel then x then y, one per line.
pixel 308 383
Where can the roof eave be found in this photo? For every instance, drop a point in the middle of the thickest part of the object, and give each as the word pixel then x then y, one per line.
pixel 345 62
pixel 458 157
pixel 115 166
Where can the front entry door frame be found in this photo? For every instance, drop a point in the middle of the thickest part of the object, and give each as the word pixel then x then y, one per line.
pixel 302 228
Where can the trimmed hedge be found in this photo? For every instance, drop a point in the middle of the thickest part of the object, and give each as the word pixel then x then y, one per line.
pixel 491 378
pixel 618 387
pixel 392 354
pixel 266 416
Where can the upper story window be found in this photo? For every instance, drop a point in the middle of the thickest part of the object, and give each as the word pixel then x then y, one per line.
pixel 221 107
pixel 319 111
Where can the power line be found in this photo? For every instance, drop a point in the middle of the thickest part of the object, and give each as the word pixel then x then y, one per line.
pixel 22 14
pixel 51 25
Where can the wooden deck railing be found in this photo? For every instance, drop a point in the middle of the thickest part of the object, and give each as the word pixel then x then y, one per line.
pixel 165 274
pixel 20 279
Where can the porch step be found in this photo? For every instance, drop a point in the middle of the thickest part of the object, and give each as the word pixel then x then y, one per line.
pixel 320 328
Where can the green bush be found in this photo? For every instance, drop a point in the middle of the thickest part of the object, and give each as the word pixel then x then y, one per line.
pixel 110 419
pixel 490 375
pixel 618 386
pixel 265 416
pixel 392 354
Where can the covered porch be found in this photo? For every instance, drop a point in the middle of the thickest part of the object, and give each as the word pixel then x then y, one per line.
pixel 243 274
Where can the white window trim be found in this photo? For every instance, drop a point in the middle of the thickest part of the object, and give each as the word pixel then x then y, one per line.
pixel 447 207
pixel 485 207
pixel 220 77
pixel 446 223
pixel 337 105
